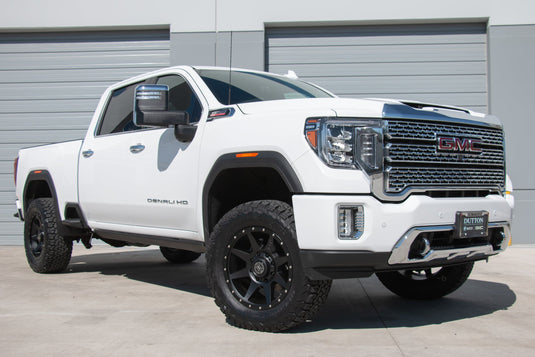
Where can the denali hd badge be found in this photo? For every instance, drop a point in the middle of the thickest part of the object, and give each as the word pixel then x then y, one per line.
pixel 168 202
pixel 461 145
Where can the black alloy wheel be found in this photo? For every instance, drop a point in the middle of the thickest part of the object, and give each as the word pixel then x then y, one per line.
pixel 258 268
pixel 37 237
pixel 254 269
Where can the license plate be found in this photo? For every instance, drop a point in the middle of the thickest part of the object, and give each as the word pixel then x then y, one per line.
pixel 472 224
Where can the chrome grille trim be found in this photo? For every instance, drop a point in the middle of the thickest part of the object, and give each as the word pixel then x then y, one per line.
pixel 426 154
pixel 418 130
pixel 412 162
pixel 400 178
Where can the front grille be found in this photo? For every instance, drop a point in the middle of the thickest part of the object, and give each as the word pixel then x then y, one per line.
pixel 412 158
pixel 412 129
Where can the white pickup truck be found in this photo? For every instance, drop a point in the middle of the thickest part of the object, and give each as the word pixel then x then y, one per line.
pixel 283 185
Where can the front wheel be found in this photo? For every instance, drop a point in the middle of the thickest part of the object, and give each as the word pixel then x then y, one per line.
pixel 426 283
pixel 254 269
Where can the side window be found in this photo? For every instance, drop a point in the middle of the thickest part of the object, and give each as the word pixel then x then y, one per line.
pixel 181 96
pixel 118 116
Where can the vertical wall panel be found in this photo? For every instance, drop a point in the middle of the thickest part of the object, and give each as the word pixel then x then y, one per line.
pixel 439 63
pixel 50 84
pixel 512 91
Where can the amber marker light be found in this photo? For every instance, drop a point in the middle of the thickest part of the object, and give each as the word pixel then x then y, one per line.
pixel 311 132
pixel 246 154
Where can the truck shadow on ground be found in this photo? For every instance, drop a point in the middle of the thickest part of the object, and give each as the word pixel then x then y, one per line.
pixel 146 265
pixel 352 303
pixel 365 303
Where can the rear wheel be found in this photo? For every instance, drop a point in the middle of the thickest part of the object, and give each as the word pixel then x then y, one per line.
pixel 426 283
pixel 46 250
pixel 255 272
pixel 179 256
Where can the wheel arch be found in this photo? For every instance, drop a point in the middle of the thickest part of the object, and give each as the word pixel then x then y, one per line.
pixel 241 177
pixel 40 184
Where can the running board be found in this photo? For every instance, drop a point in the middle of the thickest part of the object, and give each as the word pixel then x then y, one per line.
pixel 177 243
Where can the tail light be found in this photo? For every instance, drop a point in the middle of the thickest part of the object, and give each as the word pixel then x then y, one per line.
pixel 15 168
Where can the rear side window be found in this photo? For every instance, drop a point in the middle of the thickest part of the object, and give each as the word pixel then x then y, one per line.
pixel 119 116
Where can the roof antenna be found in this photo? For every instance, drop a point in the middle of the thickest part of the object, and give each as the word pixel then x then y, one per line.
pixel 230 71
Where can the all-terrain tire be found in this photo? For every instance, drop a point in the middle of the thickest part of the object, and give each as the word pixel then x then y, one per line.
pixel 254 269
pixel 46 250
pixel 426 284
pixel 179 256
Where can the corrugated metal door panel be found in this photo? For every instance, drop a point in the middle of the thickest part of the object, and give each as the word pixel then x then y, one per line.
pixel 50 84
pixel 387 54
pixel 386 69
pixel 442 63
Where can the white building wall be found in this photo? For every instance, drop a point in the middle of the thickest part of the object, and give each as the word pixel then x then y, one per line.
pixel 253 15
pixel 201 32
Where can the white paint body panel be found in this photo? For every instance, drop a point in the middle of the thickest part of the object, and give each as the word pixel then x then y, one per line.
pixel 61 161
pixel 115 184
pixel 316 218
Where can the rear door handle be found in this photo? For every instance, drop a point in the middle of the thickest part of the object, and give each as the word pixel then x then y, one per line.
pixel 87 153
pixel 137 148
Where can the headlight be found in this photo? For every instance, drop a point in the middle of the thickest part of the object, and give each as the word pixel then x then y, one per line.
pixel 347 143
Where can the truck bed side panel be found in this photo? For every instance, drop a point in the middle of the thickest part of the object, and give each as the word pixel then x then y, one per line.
pixel 61 162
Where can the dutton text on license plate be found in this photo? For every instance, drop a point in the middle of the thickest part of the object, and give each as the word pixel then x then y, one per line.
pixel 472 224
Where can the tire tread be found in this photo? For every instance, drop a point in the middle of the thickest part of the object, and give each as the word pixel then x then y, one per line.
pixel 313 295
pixel 56 252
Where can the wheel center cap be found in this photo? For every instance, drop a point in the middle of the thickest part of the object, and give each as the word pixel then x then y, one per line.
pixel 260 268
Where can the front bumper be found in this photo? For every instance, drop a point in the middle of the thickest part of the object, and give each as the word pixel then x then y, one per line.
pixel 390 229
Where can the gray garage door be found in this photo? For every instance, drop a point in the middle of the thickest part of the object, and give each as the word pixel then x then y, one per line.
pixel 50 84
pixel 440 63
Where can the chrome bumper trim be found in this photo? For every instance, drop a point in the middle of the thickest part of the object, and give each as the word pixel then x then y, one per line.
pixel 400 253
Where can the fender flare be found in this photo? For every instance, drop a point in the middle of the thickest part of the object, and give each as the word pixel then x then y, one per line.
pixel 260 159
pixel 44 175
pixel 39 175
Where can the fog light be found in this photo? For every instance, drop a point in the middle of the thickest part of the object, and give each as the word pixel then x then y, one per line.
pixel 350 222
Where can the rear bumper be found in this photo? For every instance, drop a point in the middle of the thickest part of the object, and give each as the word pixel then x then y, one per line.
pixel 19 213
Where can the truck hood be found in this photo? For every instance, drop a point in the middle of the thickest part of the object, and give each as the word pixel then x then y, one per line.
pixel 371 108
pixel 340 106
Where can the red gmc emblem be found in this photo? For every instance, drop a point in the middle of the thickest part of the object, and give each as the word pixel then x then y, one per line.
pixel 447 143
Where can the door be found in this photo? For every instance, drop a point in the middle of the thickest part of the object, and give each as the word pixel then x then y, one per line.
pixel 141 180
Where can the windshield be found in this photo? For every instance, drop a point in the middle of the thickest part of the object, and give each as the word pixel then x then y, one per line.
pixel 256 87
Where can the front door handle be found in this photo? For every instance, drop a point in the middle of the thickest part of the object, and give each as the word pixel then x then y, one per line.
pixel 87 153
pixel 137 148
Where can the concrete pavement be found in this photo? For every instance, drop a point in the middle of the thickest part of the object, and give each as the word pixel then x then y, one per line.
pixel 131 302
